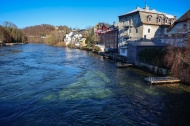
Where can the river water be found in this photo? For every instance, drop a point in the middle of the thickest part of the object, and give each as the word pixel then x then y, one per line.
pixel 45 85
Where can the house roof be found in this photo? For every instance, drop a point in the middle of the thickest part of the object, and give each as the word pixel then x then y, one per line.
pixel 184 17
pixel 123 47
pixel 101 24
pixel 145 43
pixel 83 39
pixel 146 9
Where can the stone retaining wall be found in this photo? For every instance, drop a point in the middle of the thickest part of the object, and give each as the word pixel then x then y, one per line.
pixel 152 69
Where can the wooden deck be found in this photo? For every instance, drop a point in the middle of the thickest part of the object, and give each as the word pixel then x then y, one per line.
pixel 123 65
pixel 162 80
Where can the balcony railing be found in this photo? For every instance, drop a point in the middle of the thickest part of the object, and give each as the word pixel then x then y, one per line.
pixel 127 24
pixel 126 36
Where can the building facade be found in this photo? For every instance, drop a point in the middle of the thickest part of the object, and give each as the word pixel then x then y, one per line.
pixel 110 38
pixel 177 34
pixel 99 29
pixel 106 36
pixel 143 24
pixel 73 38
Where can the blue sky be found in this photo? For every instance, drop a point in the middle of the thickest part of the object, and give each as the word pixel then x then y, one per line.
pixel 79 13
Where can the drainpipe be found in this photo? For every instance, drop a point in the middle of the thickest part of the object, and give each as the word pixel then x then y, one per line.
pixel 117 40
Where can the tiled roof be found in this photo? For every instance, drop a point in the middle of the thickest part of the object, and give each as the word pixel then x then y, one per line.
pixel 144 43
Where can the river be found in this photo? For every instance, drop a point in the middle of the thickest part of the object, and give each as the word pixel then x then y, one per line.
pixel 46 85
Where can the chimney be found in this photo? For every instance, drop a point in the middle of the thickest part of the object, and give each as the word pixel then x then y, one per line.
pixel 174 18
pixel 114 23
pixel 146 7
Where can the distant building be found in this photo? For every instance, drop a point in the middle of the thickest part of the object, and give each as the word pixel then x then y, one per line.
pixel 98 30
pixel 82 42
pixel 143 24
pixel 178 33
pixel 74 38
pixel 110 38
pixel 68 38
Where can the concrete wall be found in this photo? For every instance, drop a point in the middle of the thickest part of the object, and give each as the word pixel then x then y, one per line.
pixel 152 69
pixel 132 56
pixel 134 51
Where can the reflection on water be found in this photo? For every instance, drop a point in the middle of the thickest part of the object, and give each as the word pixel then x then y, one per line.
pixel 45 85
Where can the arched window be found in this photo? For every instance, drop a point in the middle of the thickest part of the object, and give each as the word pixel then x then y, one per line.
pixel 159 19
pixel 149 18
pixel 166 20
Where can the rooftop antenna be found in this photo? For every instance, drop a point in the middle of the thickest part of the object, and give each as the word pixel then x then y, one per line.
pixel 146 6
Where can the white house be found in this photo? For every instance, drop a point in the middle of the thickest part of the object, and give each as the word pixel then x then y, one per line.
pixel 68 38
pixel 76 39
pixel 73 38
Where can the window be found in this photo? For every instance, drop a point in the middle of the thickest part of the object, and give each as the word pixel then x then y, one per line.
pixel 149 18
pixel 149 30
pixel 129 30
pixel 136 30
pixel 159 19
pixel 122 50
pixel 166 20
pixel 172 21
pixel 131 22
pixel 144 36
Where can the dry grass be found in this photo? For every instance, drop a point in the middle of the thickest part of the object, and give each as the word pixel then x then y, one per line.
pixel 60 44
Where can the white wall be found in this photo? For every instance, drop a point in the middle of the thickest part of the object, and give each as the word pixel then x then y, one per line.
pixel 153 30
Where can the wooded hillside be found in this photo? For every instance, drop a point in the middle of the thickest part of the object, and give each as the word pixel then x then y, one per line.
pixel 9 33
pixel 46 33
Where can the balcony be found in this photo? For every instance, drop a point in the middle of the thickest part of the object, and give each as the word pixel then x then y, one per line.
pixel 128 24
pixel 125 35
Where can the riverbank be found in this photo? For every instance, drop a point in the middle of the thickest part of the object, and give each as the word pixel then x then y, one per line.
pixel 121 61
pixel 11 44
